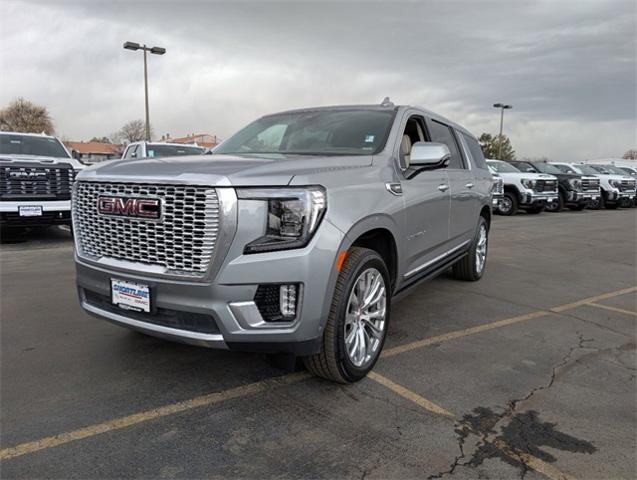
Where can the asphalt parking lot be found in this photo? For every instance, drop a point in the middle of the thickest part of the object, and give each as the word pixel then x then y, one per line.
pixel 527 373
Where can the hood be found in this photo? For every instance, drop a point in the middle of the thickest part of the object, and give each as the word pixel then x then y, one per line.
pixel 531 176
pixel 16 158
pixel 221 170
pixel 609 176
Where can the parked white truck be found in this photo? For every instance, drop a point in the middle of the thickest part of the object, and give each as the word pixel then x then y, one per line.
pixel 526 191
pixel 36 176
pixel 617 189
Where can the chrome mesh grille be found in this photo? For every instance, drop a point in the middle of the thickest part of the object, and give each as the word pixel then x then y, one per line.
pixel 627 186
pixel 590 184
pixel 545 186
pixel 182 242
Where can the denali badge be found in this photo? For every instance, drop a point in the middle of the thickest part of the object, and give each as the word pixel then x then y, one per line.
pixel 130 207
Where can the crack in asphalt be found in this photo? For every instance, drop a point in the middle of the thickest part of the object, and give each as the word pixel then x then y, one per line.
pixel 510 435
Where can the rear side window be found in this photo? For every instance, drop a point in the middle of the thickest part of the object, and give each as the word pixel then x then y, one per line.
pixel 441 133
pixel 477 157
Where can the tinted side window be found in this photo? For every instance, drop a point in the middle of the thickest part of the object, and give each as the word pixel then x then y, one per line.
pixel 442 133
pixel 476 152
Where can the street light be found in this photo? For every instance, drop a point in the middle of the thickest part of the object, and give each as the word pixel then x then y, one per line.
pixel 502 107
pixel 157 51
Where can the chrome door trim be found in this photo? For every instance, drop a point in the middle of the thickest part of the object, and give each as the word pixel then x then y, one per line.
pixel 434 260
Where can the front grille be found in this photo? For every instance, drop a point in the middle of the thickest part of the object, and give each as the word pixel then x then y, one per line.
pixel 195 322
pixel 542 186
pixel 627 186
pixel 590 185
pixel 181 242
pixel 28 182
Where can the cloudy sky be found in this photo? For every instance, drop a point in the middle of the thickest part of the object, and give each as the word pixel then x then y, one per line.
pixel 569 68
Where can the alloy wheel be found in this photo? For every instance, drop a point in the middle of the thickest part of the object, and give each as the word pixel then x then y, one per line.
pixel 365 318
pixel 481 249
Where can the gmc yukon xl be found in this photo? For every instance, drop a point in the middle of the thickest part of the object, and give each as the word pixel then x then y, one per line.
pixel 292 237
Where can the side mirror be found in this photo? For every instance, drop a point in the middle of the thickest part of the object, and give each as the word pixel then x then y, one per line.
pixel 427 156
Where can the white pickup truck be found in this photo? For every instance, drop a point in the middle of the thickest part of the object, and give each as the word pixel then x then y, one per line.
pixel 526 191
pixel 36 176
pixel 617 187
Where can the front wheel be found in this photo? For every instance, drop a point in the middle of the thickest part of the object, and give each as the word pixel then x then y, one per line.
pixel 509 204
pixel 471 266
pixel 558 205
pixel 357 324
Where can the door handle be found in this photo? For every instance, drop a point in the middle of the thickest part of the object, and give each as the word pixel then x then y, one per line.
pixel 443 188
pixel 469 185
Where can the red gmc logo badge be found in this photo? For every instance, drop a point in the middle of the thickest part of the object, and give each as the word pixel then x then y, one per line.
pixel 149 208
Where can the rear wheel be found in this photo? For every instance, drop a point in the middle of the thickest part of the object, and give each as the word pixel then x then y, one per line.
pixel 471 267
pixel 357 324
pixel 509 204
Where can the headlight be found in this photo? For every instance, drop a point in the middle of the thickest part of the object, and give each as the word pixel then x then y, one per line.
pixel 615 183
pixel 294 214
pixel 528 183
pixel 575 183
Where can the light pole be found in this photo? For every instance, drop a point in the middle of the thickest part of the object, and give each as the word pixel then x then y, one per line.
pixel 502 107
pixel 156 51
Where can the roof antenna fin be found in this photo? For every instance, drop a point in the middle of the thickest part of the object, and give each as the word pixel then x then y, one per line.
pixel 386 102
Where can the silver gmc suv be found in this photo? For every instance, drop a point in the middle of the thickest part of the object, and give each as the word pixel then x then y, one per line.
pixel 292 237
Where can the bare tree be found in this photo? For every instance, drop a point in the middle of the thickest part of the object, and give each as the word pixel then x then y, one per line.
pixel 133 131
pixel 630 154
pixel 24 116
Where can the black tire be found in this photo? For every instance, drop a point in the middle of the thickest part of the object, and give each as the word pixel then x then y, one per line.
pixel 577 208
pixel 535 210
pixel 611 206
pixel 557 206
pixel 509 204
pixel 595 204
pixel 466 268
pixel 332 362
pixel 602 201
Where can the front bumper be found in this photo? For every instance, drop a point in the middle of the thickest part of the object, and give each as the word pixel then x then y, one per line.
pixel 53 212
pixel 581 197
pixel 536 199
pixel 223 307
pixel 619 195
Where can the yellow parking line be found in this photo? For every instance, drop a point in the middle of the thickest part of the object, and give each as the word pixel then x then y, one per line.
pixel 612 309
pixel 257 387
pixel 123 422
pixel 461 333
pixel 530 461
pixel 409 395
pixel 597 298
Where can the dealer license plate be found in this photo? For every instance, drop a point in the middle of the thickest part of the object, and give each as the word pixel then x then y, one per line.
pixel 30 211
pixel 130 296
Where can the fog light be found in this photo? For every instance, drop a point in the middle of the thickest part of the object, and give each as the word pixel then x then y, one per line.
pixel 287 300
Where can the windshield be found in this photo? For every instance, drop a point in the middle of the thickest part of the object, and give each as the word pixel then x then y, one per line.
pixel 172 150
pixel 503 167
pixel 629 170
pixel 587 170
pixel 546 168
pixel 615 170
pixel 601 169
pixel 30 145
pixel 566 168
pixel 320 132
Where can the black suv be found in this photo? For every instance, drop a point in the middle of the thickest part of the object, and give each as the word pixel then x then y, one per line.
pixel 575 191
